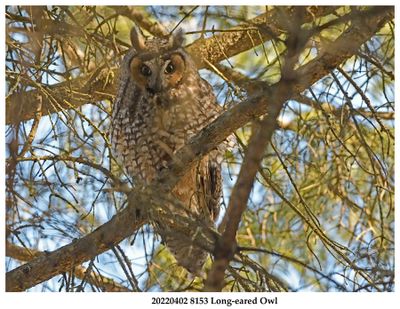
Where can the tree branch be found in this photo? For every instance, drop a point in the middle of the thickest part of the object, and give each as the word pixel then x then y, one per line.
pixel 264 27
pixel 98 85
pixel 63 259
pixel 102 282
pixel 226 246
pixel 262 132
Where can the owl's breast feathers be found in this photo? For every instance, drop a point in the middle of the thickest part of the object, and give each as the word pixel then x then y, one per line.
pixel 146 134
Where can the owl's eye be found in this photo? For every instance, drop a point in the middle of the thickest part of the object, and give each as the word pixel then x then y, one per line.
pixel 170 68
pixel 145 70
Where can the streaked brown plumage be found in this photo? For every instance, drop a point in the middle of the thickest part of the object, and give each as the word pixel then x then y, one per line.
pixel 161 103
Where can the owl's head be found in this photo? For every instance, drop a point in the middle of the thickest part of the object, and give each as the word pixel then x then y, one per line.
pixel 159 63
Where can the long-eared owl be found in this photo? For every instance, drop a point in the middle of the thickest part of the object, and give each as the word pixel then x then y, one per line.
pixel 161 103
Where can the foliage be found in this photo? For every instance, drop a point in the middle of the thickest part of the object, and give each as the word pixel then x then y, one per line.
pixel 320 215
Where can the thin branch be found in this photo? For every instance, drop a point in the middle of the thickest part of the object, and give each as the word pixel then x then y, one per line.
pixel 142 20
pixel 338 111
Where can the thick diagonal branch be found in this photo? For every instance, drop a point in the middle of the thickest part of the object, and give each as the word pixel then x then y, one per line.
pixel 102 282
pixel 63 259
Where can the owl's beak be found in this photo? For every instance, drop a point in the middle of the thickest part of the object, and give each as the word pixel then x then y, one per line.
pixel 151 90
pixel 154 86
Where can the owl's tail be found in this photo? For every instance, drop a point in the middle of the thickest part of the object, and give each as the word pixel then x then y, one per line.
pixel 190 257
pixel 188 239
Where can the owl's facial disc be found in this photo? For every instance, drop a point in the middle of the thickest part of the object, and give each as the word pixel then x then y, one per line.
pixel 159 74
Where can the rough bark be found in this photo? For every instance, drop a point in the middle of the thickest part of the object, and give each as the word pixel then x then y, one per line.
pixel 102 282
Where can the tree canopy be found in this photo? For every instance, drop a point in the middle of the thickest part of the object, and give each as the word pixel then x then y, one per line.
pixel 308 189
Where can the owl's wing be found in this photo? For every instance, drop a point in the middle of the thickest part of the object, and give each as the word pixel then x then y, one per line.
pixel 215 178
pixel 125 99
pixel 210 182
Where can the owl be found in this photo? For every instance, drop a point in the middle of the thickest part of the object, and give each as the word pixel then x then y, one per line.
pixel 161 103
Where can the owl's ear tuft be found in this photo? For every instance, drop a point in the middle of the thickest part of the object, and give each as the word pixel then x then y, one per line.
pixel 137 40
pixel 176 39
